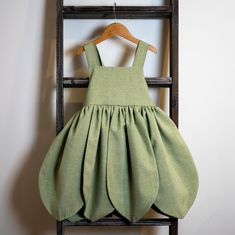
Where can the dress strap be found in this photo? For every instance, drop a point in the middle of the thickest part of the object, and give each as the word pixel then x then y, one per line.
pixel 92 56
pixel 140 54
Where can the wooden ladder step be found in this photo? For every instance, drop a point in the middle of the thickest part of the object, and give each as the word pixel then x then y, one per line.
pixel 122 12
pixel 120 222
pixel 69 82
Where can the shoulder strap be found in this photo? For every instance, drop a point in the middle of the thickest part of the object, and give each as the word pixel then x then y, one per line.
pixel 140 54
pixel 92 56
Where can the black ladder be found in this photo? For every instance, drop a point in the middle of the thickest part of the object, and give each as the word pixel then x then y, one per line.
pixel 122 12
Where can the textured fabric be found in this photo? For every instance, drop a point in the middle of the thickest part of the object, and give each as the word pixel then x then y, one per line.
pixel 119 152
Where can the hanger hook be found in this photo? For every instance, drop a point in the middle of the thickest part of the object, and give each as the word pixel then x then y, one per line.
pixel 114 11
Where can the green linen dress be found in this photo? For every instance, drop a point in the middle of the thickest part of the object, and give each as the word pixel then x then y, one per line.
pixel 120 152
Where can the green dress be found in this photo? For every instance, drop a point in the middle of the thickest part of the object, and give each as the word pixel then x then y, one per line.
pixel 120 152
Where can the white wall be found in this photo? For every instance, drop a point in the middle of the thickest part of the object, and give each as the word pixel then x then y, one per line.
pixel 27 102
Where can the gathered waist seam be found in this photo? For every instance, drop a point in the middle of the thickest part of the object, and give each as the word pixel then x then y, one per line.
pixel 121 105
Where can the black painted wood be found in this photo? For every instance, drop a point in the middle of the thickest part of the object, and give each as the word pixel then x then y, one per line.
pixel 120 222
pixel 122 12
pixel 173 228
pixel 84 82
pixel 60 227
pixel 59 67
pixel 174 99
pixel 174 62
pixel 59 81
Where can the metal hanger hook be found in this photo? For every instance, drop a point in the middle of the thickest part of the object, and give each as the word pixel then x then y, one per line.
pixel 114 11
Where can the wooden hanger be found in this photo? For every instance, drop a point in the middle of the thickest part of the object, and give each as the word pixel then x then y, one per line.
pixel 113 30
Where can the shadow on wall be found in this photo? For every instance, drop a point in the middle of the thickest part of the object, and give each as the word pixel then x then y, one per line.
pixel 25 198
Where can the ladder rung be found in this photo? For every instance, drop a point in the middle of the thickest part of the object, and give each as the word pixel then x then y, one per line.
pixel 69 82
pixel 122 12
pixel 120 222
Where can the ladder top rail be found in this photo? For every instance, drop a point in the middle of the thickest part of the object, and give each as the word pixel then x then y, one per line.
pixel 121 12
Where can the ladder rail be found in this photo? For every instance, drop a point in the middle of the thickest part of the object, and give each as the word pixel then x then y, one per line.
pixel 59 66
pixel 174 51
pixel 122 12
